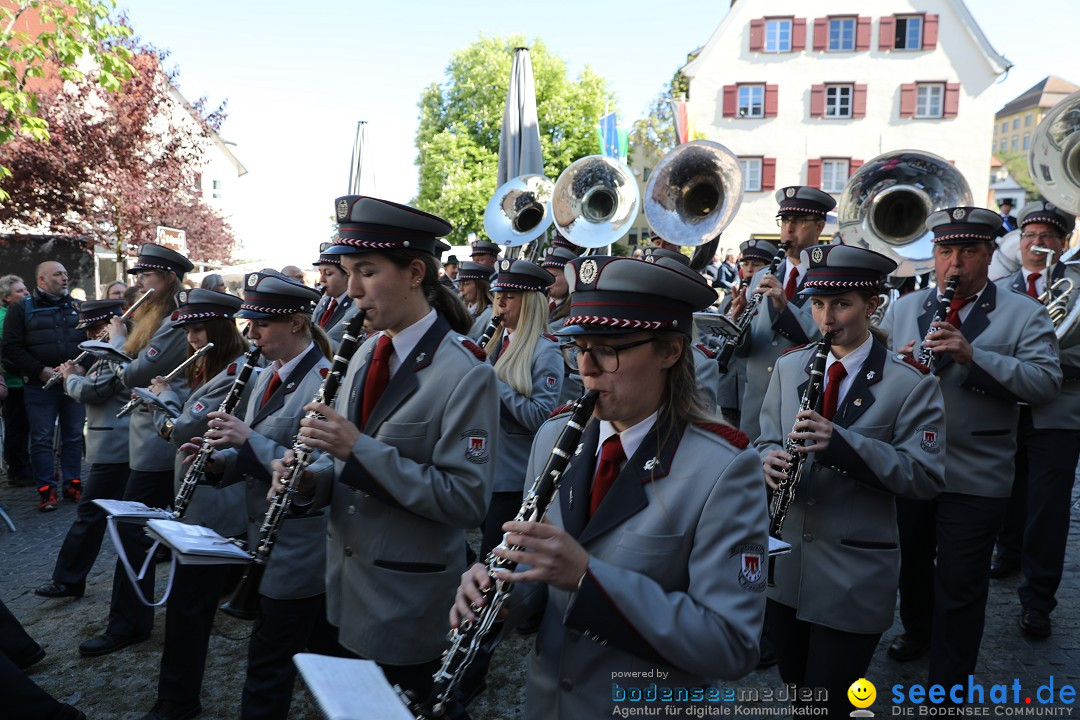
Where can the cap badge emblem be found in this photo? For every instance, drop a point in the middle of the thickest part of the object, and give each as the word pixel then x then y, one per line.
pixel 587 272
pixel 817 255
pixel 790 192
pixel 650 258
pixel 183 297
pixel 959 214
pixel 252 280
pixel 1049 206
pixel 505 264
pixel 342 209
pixel 752 242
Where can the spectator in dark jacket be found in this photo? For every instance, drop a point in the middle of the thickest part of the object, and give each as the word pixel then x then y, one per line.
pixel 16 428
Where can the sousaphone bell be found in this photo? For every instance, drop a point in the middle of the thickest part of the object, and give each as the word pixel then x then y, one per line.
pixel 595 201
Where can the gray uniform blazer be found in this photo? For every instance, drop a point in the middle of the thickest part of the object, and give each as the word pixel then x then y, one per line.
pixel 418 476
pixel 335 328
pixel 770 336
pixel 707 373
pixel 1064 412
pixel 148 451
pixel 520 417
pixel 297 567
pixel 676 575
pixel 219 508
pixel 481 322
pixel 888 440
pixel 1014 359
pixel 103 393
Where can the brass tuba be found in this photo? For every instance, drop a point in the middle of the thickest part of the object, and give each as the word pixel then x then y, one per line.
pixel 595 201
pixel 518 212
pixel 885 204
pixel 694 193
pixel 1054 158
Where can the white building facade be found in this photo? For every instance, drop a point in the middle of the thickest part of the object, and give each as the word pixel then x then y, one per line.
pixel 805 91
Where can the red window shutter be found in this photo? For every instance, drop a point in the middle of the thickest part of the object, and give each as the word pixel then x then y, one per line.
pixel 771 94
pixel 798 35
pixel 768 173
pixel 853 165
pixel 886 33
pixel 757 35
pixel 858 102
pixel 821 33
pixel 817 101
pixel 907 99
pixel 952 100
pixel 929 32
pixel 813 173
pixel 862 33
pixel 731 100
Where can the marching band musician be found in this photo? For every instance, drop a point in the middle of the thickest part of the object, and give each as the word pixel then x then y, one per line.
pixel 994 349
pixel 474 284
pixel 754 255
pixel 103 394
pixel 1037 521
pixel 291 611
pixel 783 322
pixel 485 253
pixel 335 307
pixel 412 438
pixel 879 434
pixel 653 561
pixel 206 316
pixel 157 347
pixel 529 370
pixel 559 310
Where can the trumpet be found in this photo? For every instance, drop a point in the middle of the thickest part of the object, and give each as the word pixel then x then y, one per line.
pixel 103 335
pixel 1056 297
pixel 136 401
pixel 926 356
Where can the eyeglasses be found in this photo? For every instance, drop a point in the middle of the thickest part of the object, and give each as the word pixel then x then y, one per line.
pixel 606 357
pixel 147 274
pixel 794 220
pixel 1041 237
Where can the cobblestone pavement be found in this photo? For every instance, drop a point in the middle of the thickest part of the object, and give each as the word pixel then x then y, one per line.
pixel 122 686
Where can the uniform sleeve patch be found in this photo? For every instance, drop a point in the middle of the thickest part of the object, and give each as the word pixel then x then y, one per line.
pixel 198 408
pixel 733 436
pixel 152 351
pixel 476 446
pixel 550 382
pixel 928 438
pixel 752 576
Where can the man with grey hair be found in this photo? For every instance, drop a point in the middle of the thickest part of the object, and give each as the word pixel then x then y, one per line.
pixel 293 273
pixel 16 429
pixel 40 333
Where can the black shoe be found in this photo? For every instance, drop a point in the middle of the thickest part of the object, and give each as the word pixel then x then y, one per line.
pixel 30 656
pixel 1002 566
pixel 105 643
pixel 1035 623
pixel 906 648
pixel 171 710
pixel 55 589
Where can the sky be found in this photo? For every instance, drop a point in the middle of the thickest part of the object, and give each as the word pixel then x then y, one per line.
pixel 298 76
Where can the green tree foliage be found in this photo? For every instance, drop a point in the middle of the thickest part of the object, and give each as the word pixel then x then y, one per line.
pixel 460 121
pixel 653 135
pixel 46 40
pixel 1017 163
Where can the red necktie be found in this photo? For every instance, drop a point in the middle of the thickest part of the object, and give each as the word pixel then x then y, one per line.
pixel 792 284
pixel 328 312
pixel 378 377
pixel 611 457
pixel 505 344
pixel 953 318
pixel 837 372
pixel 1031 285
pixel 274 384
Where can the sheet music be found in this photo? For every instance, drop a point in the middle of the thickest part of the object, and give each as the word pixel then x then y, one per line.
pixel 348 689
pixel 131 510
pixel 195 544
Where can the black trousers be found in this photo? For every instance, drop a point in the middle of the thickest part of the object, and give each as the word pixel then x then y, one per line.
pixel 22 697
pixel 1036 524
pixel 189 619
pixel 964 528
pixel 83 540
pixel 503 508
pixel 17 436
pixel 282 629
pixel 815 656
pixel 128 616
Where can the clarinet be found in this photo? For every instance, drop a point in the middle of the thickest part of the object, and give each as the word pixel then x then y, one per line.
pixel 926 356
pixel 785 491
pixel 489 331
pixel 244 600
pixel 197 471
pixel 741 326
pixel 468 638
pixel 135 402
pixel 103 335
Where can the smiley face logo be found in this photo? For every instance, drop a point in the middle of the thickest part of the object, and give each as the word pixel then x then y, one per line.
pixel 862 693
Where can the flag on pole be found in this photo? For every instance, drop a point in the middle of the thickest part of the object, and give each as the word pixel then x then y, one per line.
pixel 614 141
pixel 684 129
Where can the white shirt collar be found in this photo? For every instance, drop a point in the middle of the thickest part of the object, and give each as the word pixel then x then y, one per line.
pixel 341 298
pixel 854 359
pixel 285 370
pixel 631 438
pixel 406 340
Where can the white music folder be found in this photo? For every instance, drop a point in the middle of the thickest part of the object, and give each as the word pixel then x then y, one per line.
pixel 350 689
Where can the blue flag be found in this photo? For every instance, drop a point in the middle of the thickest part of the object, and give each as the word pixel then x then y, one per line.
pixel 609 136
